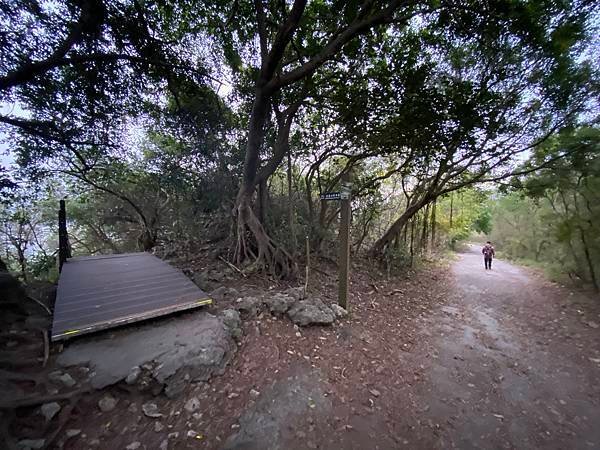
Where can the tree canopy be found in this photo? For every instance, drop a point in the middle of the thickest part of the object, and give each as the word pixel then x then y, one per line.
pixel 252 109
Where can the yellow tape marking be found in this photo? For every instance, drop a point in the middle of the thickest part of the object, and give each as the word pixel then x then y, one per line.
pixel 70 332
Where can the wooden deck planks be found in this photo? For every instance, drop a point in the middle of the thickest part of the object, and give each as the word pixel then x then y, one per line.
pixel 99 292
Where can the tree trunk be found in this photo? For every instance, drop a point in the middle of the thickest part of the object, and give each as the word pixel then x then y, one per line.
pixel 433 226
pixel 269 82
pixel 147 239
pixel 451 208
pixel 260 247
pixel 424 235
pixel 588 259
pixel 252 241
pixel 262 201
pixel 396 227
pixel 22 260
pixel 412 241
pixel 291 220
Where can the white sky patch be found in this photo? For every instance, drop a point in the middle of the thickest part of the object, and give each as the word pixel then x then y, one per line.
pixel 7 157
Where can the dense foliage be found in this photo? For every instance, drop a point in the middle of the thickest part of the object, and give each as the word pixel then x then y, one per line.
pixel 184 122
pixel 553 218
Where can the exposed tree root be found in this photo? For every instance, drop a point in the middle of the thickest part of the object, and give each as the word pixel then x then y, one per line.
pixel 40 399
pixel 6 439
pixel 19 376
pixel 254 244
pixel 63 419
pixel 46 347
pixel 39 302
pixel 17 363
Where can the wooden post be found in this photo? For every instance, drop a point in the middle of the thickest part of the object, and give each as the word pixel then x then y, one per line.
pixel 433 219
pixel 307 266
pixel 64 250
pixel 344 238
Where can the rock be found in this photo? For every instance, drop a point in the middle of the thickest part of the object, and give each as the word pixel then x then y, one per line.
pixel 231 319
pixel 49 410
pixel 151 410
pixel 279 303
pixel 338 311
pixel 375 392
pixel 31 443
pixel 248 305
pixel 203 281
pixel 107 403
pixel 265 424
pixel 95 442
pixel 307 312
pixel 134 445
pixel 67 380
pixel 223 293
pixel 164 445
pixel 232 293
pixel 72 432
pixel 219 293
pixel 297 293
pixel 173 435
pixel 192 405
pixel 254 393
pixel 233 395
pixel 158 427
pixel 63 378
pixel 198 346
pixel 175 386
pixel 133 375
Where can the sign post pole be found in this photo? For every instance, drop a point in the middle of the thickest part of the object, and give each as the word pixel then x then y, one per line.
pixel 344 238
pixel 64 251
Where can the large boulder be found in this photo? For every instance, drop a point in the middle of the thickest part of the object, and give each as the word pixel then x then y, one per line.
pixel 309 312
pixel 175 351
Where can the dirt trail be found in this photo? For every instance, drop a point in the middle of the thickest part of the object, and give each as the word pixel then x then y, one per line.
pixel 516 362
pixel 477 359
pixel 435 360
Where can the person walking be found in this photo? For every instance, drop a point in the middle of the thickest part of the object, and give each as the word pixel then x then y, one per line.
pixel 488 255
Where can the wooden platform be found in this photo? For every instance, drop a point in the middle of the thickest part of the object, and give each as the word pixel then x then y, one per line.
pixel 99 292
